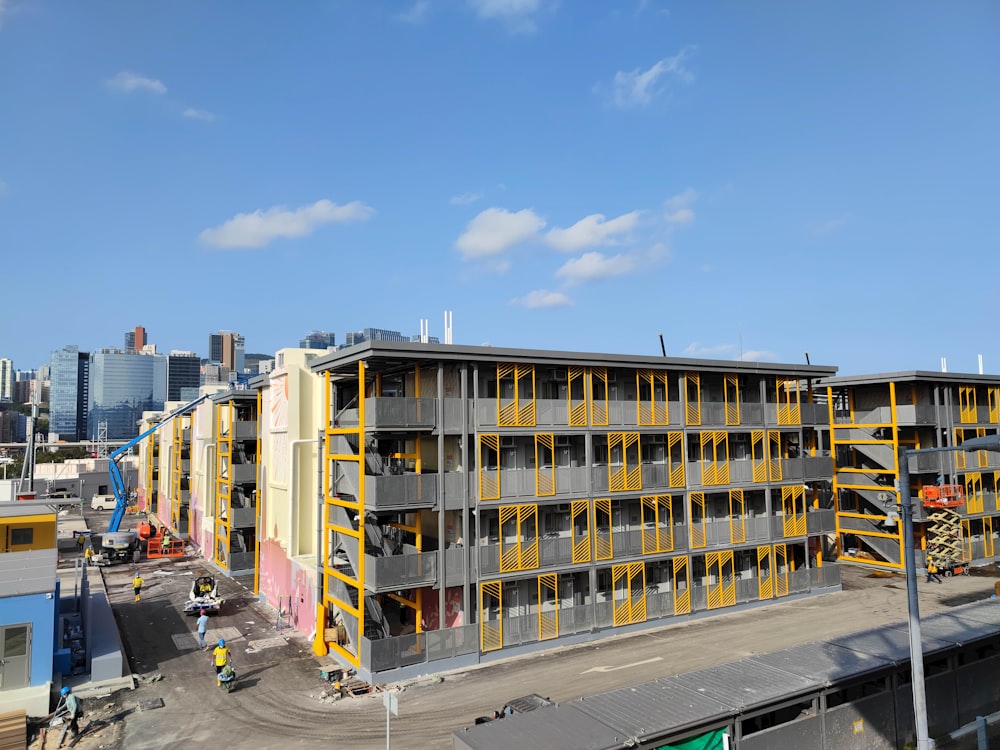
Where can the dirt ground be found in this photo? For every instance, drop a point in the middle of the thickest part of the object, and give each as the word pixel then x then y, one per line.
pixel 283 703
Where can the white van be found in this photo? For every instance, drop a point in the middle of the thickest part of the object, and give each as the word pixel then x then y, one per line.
pixel 103 502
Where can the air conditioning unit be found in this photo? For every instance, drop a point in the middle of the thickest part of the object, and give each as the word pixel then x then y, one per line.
pixel 658 439
pixel 612 376
pixel 507 441
pixel 562 508
pixel 563 440
pixel 510 585
pixel 559 374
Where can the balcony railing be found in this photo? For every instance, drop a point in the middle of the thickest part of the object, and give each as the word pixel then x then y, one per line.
pixel 386 654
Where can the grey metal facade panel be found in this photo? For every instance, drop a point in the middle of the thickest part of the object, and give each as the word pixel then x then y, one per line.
pixel 823 662
pixel 32 572
pixel 653 708
pixel 543 728
pixel 747 684
pixel 408 351
pixel 887 643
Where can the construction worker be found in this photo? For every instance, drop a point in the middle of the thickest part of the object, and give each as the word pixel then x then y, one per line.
pixel 71 708
pixel 137 584
pixel 932 571
pixel 220 656
pixel 87 554
pixel 202 624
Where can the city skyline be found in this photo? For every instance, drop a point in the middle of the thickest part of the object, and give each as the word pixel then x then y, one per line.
pixel 753 182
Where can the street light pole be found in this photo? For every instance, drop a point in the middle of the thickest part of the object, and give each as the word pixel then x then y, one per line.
pixel 987 443
pixel 913 605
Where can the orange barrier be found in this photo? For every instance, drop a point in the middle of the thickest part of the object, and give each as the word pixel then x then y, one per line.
pixel 155 548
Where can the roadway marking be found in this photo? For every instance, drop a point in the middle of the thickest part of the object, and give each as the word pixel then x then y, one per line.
pixel 623 666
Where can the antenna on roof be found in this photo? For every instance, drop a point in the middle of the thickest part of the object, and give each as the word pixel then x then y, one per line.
pixel 807 359
pixel 663 348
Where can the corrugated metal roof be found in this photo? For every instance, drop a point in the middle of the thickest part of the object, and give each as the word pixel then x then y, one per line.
pixel 987 610
pixel 888 643
pixel 653 708
pixel 543 728
pixel 932 376
pixel 746 683
pixel 823 662
pixel 960 626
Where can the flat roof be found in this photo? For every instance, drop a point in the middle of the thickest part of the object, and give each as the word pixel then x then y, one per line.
pixel 574 731
pixel 650 709
pixel 706 698
pixel 913 376
pixel 406 351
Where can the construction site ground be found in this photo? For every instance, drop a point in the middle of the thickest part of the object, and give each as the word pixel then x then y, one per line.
pixel 282 700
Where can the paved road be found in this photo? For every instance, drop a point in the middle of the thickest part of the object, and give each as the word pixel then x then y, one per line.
pixel 278 703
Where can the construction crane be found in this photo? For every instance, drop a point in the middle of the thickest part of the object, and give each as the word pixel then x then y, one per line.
pixel 123 546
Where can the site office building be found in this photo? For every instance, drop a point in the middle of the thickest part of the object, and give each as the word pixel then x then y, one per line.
pixel 480 502
pixel 872 418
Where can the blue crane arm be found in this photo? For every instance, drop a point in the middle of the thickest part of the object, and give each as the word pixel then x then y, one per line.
pixel 117 483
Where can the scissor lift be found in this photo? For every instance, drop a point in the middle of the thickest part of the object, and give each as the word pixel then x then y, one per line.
pixel 944 534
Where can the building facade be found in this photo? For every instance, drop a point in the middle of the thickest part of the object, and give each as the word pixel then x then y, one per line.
pixel 6 379
pixel 69 394
pixel 183 376
pixel 501 498
pixel 955 497
pixel 29 601
pixel 122 387
pixel 318 340
pixel 135 339
pixel 420 507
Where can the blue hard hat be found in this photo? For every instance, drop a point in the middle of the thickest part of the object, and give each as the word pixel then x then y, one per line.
pixel 222 641
pixel 64 691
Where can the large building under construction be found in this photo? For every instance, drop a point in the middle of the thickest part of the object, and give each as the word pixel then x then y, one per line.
pixel 416 507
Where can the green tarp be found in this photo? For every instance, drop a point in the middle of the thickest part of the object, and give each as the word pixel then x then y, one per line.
pixel 710 741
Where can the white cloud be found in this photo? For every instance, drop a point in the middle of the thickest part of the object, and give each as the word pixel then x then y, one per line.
pixel 518 15
pixel 496 229
pixel 593 266
pixel 637 88
pixel 542 298
pixel 3 9
pixel 416 14
pixel 727 351
pixel 758 355
pixel 591 231
pixel 465 199
pixel 132 82
pixel 261 227
pixel 677 209
pixel 198 114
pixel 4 187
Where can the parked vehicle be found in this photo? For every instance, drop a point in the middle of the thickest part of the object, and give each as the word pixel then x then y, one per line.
pixel 103 502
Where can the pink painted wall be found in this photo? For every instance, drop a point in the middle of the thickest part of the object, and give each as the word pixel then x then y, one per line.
pixel 452 604
pixel 282 577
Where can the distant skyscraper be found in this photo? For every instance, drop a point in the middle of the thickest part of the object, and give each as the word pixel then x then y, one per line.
pixel 227 348
pixel 239 354
pixel 6 380
pixel 318 340
pixel 69 396
pixel 122 387
pixel 135 339
pixel 373 334
pixel 213 373
pixel 183 371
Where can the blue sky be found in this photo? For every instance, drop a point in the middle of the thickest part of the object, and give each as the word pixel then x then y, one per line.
pixel 749 179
